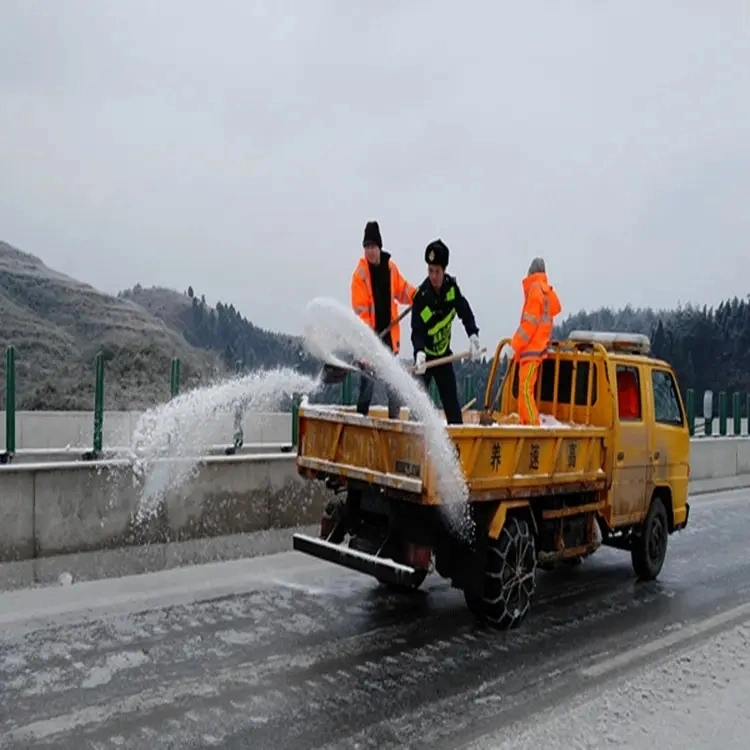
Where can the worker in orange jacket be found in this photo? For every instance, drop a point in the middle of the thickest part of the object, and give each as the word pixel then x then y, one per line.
pixel 377 285
pixel 532 336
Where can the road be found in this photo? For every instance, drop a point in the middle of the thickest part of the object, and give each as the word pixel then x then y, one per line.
pixel 288 652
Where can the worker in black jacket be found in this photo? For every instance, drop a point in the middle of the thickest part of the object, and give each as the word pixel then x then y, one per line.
pixel 437 302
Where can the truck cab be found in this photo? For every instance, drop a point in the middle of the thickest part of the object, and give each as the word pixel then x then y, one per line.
pixel 649 437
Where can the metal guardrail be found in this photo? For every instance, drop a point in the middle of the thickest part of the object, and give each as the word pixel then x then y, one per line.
pixel 727 429
pixel 28 456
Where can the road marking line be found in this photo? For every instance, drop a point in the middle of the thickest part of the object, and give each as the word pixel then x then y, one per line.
pixel 686 632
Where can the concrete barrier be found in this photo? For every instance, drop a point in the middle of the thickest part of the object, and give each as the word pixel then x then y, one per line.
pixel 719 463
pixel 56 508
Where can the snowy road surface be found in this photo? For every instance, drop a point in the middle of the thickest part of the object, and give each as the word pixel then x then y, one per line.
pixel 288 652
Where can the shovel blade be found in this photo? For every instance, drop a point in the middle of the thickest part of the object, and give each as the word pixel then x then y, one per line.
pixel 331 374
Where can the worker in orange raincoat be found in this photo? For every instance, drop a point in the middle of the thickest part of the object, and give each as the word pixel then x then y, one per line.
pixel 377 285
pixel 532 336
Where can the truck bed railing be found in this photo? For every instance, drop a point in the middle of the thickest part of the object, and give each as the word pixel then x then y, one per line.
pixel 578 352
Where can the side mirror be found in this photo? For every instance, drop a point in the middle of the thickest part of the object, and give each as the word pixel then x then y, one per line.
pixel 708 405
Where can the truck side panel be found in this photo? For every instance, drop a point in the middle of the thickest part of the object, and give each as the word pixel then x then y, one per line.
pixel 509 461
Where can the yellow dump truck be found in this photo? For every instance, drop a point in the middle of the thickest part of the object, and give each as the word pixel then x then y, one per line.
pixel 609 465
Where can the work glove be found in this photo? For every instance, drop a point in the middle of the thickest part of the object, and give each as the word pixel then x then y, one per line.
pixel 474 342
pixel 420 363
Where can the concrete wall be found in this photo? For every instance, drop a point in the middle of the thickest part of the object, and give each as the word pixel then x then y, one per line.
pixel 49 509
pixel 54 508
pixel 719 457
pixel 59 429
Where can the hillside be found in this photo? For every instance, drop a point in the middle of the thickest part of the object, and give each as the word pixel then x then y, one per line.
pixel 58 324
pixel 222 329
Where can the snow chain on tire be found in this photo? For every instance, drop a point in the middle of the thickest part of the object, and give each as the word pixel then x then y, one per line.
pixel 510 576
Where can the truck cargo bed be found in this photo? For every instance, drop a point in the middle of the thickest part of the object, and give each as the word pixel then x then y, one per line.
pixel 498 461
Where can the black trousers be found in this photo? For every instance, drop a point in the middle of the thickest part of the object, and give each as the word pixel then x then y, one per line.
pixel 366 388
pixel 445 380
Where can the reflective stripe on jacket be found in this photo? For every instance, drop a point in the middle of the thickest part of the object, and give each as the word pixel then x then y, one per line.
pixel 439 330
pixel 363 301
pixel 541 304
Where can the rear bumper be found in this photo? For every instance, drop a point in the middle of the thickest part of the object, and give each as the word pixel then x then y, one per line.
pixel 381 567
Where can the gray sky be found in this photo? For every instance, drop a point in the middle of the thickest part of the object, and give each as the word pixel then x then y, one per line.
pixel 241 146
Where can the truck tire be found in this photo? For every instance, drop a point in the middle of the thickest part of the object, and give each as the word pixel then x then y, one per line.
pixel 509 577
pixel 649 545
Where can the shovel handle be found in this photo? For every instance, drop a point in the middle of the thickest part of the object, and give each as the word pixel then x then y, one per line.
pixel 446 360
pixel 395 322
pixel 336 373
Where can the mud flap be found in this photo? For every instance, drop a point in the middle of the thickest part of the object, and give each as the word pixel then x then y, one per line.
pixel 380 567
pixel 680 527
pixel 475 564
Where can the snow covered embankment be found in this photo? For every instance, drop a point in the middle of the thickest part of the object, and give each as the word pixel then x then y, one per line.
pixel 696 700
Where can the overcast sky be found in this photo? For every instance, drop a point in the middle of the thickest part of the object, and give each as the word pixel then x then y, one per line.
pixel 241 146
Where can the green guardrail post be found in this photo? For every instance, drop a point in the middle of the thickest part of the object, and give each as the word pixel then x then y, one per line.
pixel 10 405
pixel 708 419
pixel 98 406
pixel 238 437
pixel 296 399
pixel 690 398
pixel 174 379
pixel 723 412
pixel 346 390
pixel 470 390
pixel 736 414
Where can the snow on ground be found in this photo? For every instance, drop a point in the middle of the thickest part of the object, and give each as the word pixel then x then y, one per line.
pixel 696 700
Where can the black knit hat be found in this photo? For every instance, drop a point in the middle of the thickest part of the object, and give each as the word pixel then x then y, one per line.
pixel 372 235
pixel 437 254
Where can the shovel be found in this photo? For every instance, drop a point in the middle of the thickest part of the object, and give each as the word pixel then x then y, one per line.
pixel 331 373
pixel 433 363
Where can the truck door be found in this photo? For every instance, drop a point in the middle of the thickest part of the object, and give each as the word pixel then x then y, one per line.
pixel 670 456
pixel 632 465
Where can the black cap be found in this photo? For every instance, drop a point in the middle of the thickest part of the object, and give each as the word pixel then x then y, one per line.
pixel 437 254
pixel 372 235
